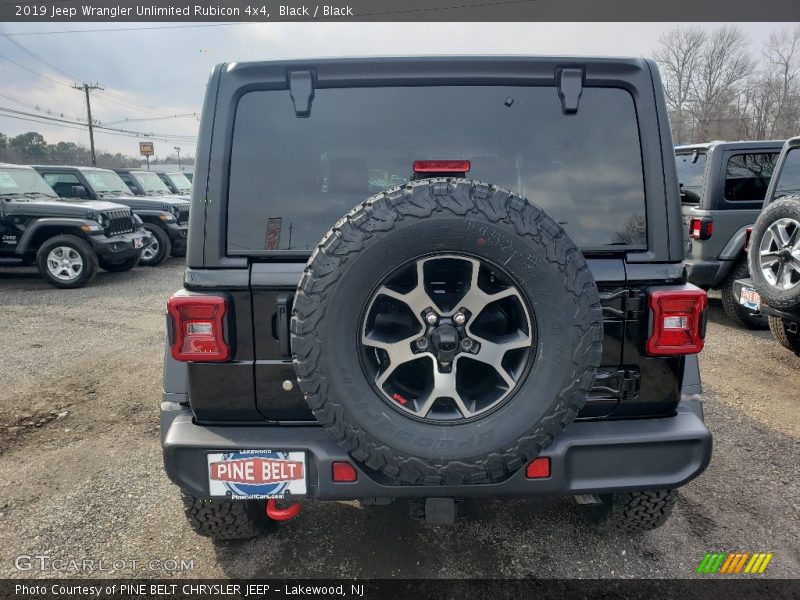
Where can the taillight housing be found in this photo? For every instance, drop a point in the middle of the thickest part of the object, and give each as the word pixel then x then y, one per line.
pixel 701 228
pixel 678 321
pixel 197 328
pixel 748 233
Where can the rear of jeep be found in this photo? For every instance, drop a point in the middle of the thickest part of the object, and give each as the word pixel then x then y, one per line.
pixel 723 185
pixel 433 279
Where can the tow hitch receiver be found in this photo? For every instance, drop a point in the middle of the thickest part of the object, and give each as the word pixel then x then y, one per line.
pixel 282 514
pixel 437 511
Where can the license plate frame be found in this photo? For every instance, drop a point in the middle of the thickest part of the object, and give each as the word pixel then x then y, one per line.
pixel 750 298
pixel 257 474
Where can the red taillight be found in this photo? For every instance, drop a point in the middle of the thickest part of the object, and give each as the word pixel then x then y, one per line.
pixel 441 166
pixel 343 472
pixel 197 330
pixel 538 468
pixel 748 233
pixel 678 321
pixel 701 228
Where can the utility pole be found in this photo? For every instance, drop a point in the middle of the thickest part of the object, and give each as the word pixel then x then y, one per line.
pixel 86 89
pixel 291 227
pixel 178 150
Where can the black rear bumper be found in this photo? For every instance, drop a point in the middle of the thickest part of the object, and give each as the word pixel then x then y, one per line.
pixel 589 457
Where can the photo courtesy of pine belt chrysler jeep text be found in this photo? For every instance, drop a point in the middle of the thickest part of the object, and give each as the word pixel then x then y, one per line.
pixel 383 302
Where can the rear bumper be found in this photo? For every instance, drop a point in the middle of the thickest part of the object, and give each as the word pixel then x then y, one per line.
pixel 119 247
pixel 589 457
pixel 707 273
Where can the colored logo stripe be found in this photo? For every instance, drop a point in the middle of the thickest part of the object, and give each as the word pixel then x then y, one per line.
pixel 734 563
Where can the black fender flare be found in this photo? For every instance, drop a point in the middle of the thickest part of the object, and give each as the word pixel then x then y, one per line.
pixel 28 235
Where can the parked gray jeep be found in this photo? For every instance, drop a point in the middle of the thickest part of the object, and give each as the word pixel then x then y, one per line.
pixel 723 185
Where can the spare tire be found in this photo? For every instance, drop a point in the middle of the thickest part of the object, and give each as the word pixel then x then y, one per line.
pixel 775 254
pixel 445 332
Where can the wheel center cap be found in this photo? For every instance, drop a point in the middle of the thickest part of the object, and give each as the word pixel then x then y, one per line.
pixel 445 338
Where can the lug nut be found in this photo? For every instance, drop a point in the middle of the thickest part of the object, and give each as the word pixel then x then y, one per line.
pixel 467 344
pixel 422 343
pixel 459 318
pixel 431 318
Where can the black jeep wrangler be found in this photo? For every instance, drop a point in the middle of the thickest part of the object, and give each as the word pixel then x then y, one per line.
pixel 166 218
pixel 773 288
pixel 66 240
pixel 177 182
pixel 149 183
pixel 433 279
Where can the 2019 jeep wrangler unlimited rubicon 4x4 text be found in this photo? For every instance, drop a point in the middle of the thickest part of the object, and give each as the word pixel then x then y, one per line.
pixel 434 278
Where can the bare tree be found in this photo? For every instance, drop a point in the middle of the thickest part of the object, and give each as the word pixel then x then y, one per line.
pixel 721 76
pixel 678 55
pixel 782 57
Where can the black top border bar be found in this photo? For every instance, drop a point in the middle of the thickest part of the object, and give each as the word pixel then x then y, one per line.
pixel 262 11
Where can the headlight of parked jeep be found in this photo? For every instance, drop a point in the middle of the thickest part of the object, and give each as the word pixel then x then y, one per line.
pixel 174 210
pixel 102 220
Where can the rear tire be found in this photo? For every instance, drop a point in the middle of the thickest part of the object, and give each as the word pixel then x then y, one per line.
pixel 788 339
pixel 68 248
pixel 158 250
pixel 122 266
pixel 635 511
pixel 735 311
pixel 226 519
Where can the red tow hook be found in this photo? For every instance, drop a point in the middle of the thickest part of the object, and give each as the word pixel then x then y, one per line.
pixel 282 514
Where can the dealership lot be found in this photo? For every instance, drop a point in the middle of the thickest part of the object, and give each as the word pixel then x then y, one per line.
pixel 81 477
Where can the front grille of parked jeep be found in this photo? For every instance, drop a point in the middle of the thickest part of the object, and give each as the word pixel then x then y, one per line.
pixel 183 215
pixel 119 221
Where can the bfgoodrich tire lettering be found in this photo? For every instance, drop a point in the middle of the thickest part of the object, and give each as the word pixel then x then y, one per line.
pixel 441 216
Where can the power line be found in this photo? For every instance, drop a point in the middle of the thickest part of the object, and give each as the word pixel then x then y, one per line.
pixel 159 136
pixel 21 66
pixel 117 98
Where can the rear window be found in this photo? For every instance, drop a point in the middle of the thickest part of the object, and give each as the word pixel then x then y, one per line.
pixel 292 178
pixel 747 176
pixel 691 171
pixel 788 183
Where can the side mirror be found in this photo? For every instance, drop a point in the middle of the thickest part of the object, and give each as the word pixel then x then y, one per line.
pixel 79 191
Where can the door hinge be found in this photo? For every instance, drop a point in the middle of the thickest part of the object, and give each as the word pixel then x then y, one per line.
pixel 623 383
pixel 623 304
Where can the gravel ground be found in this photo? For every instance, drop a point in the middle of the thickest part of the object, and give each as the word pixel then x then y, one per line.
pixel 81 477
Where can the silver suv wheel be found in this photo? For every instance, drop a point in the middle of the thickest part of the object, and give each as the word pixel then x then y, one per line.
pixel 779 254
pixel 446 338
pixel 64 263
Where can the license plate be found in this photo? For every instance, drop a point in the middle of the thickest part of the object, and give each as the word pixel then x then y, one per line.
pixel 257 474
pixel 137 243
pixel 750 298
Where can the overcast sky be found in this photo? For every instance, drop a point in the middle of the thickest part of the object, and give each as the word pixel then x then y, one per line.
pixel 160 72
